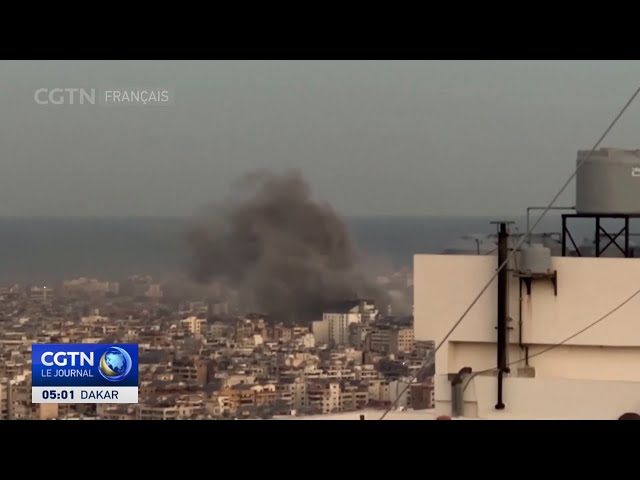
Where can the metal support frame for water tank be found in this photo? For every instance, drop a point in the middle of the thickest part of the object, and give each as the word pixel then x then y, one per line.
pixel 527 278
pixel 600 231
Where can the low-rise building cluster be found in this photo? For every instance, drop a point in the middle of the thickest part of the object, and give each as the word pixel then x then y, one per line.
pixel 200 360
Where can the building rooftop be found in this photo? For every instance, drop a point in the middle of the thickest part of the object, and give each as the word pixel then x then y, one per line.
pixel 344 306
pixel 370 414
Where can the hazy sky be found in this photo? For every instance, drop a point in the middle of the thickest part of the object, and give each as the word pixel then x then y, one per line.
pixel 397 138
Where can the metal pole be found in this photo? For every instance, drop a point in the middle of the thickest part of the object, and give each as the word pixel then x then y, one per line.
pixel 626 237
pixel 502 297
pixel 597 236
pixel 503 252
pixel 564 236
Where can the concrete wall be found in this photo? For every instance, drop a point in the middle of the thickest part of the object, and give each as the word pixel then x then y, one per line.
pixel 543 399
pixel 587 289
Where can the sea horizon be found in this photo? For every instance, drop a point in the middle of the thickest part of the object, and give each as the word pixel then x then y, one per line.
pixel 47 249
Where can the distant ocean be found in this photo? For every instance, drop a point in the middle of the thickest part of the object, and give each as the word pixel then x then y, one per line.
pixel 49 250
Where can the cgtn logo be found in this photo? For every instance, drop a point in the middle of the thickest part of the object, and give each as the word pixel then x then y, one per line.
pixel 82 373
pixel 115 364
pixel 67 96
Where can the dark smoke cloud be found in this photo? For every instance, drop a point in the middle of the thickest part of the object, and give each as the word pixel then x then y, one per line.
pixel 287 253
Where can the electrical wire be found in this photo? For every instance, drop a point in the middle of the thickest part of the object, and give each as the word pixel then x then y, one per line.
pixel 556 345
pixel 431 358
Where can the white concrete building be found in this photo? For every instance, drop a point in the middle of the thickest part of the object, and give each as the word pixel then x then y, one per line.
pixel 154 291
pixel 90 286
pixel 41 294
pixel 340 316
pixel 320 330
pixel 94 320
pixel 593 375
pixel 309 340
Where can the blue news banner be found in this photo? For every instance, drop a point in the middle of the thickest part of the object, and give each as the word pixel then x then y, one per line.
pixel 84 373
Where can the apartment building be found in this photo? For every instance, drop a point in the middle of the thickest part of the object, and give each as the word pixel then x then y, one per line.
pixel 285 395
pixel 194 325
pixel 378 390
pixel 282 333
pixel 312 372
pixel 11 369
pixel 19 395
pixel 90 286
pixel 423 348
pixel 40 294
pixel 339 371
pixel 204 371
pixel 159 411
pixel 154 291
pixel 94 319
pixel 218 330
pixel 118 415
pixel 218 404
pixel 10 292
pixel 266 394
pixel 4 400
pixel 378 339
pixel 398 389
pixel 337 319
pixel 186 373
pixel 48 411
pixel 231 379
pixel 391 339
pixel 308 340
pixel 240 396
pixel 401 340
pixel 320 330
pixel 196 308
pixel 353 396
pixel 365 373
pixel 358 334
pixel 422 396
pixel 296 392
pixel 324 396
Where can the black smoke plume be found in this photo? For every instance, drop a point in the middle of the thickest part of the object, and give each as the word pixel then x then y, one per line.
pixel 287 254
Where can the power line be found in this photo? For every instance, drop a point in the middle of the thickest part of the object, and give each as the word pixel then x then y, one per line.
pixel 556 345
pixel 506 261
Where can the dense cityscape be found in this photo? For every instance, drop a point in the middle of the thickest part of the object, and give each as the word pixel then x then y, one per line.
pixel 204 358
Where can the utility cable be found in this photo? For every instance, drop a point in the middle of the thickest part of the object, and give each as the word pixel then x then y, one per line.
pixel 520 242
pixel 556 345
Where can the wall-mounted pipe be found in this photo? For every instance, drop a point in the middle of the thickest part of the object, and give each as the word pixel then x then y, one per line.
pixel 524 347
pixel 520 317
pixel 457 392
pixel 500 405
